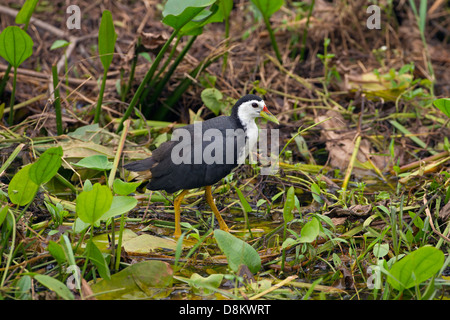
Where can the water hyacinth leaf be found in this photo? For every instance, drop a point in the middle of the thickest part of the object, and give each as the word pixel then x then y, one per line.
pixel 289 205
pixel 138 281
pixel 55 285
pixel 46 166
pixel 91 205
pixel 416 267
pixel 124 188
pixel 238 252
pixel 15 45
pixel 310 231
pixel 107 37
pixel 22 189
pixel 212 98
pixel 119 205
pixel 95 255
pixel 443 105
pixel 96 162
pixel 206 285
pixel 178 13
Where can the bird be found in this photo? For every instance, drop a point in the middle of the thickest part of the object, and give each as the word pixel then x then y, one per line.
pixel 202 153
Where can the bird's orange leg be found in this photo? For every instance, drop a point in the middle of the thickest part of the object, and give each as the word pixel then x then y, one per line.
pixel 177 204
pixel 209 198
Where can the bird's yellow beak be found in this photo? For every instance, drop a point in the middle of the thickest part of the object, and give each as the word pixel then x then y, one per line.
pixel 266 114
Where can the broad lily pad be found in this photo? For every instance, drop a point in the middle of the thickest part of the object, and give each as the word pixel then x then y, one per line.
pixel 146 243
pixel 139 281
pixel 237 251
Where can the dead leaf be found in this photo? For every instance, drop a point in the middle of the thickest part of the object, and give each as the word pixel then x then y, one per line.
pixel 146 243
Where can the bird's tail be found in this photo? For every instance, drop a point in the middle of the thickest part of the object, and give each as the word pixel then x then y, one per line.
pixel 140 165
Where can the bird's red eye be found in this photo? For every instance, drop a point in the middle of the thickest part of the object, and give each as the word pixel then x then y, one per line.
pixel 254 105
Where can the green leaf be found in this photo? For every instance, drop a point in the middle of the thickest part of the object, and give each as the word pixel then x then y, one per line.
pixel 56 251
pixel 15 45
pixel 59 44
pixel 212 98
pixel 119 205
pixel 225 7
pixel 46 166
pixel 237 251
pixel 96 162
pixel 244 201
pixel 55 285
pixel 289 205
pixel 3 213
pixel 24 15
pixel 96 256
pixel 268 7
pixel 310 231
pixel 443 105
pixel 380 250
pixel 23 288
pixel 91 205
pixel 201 285
pixel 124 188
pixel 178 13
pixel 315 192
pixel 107 37
pixel 22 189
pixel 138 281
pixel 416 267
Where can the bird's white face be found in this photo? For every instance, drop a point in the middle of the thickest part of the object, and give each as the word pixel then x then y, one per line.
pixel 250 110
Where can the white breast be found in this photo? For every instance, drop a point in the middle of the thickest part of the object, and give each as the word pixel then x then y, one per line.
pixel 251 131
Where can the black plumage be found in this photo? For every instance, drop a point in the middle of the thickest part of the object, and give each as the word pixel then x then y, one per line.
pixel 165 174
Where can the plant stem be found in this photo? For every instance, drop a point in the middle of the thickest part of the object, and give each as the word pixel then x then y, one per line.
pixel 100 97
pixel 272 38
pixel 133 68
pixel 119 242
pixel 159 87
pixel 11 102
pixel 305 31
pixel 11 251
pixel 5 79
pixel 227 43
pixel 57 101
pixel 147 79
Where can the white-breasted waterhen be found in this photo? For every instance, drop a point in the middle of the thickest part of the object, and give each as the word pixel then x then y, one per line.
pixel 182 165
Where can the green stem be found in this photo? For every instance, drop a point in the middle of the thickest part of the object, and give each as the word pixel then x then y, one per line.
pixel 227 43
pixel 182 87
pixel 161 84
pixel 5 79
pixel 119 242
pixel 151 85
pixel 305 31
pixel 100 97
pixel 272 38
pixel 11 251
pixel 133 68
pixel 147 79
pixel 57 102
pixel 11 102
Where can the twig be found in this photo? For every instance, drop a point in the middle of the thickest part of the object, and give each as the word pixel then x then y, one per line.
pixel 279 284
pixel 427 211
